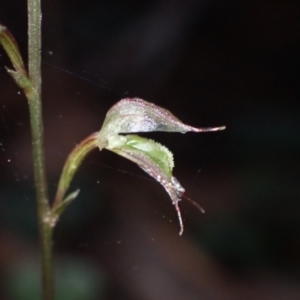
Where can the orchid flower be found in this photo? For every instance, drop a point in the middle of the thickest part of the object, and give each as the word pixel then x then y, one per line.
pixel 129 116
pixel 136 115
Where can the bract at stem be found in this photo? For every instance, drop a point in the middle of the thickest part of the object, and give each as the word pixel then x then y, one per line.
pixel 12 49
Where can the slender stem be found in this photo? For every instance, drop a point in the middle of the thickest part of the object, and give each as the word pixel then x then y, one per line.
pixel 43 209
pixel 36 121
pixel 47 262
pixel 34 43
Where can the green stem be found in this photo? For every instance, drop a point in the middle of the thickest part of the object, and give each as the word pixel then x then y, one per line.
pixel 34 43
pixel 47 262
pixel 43 209
pixel 36 121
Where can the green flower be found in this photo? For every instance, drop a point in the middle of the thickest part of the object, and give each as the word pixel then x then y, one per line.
pixel 133 115
pixel 128 116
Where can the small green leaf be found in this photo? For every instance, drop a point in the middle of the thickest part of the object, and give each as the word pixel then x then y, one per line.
pixel 59 209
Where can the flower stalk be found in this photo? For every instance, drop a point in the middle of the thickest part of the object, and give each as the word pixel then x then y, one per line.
pixel 73 162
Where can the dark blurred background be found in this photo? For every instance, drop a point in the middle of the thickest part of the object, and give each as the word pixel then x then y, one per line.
pixel 212 63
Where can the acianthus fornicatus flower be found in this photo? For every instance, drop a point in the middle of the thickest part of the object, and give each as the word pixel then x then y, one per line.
pixel 132 115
